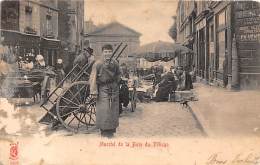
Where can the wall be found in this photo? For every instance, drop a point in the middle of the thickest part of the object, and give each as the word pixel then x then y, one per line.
pixel 29 20
pixel 49 7
pixel 247 28
pixel 10 15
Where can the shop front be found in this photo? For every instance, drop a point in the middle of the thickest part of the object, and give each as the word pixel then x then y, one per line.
pixel 50 49
pixel 200 47
pixel 21 44
pixel 220 44
pixel 214 44
pixel 29 43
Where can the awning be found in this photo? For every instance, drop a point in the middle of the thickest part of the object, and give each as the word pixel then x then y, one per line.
pixel 50 43
pixel 10 37
pixel 29 40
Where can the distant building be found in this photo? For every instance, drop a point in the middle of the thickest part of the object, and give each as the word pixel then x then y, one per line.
pixel 225 38
pixel 113 34
pixel 30 26
pixel 71 29
pixel 89 26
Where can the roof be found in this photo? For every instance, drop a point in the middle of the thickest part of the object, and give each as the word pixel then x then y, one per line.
pixel 114 28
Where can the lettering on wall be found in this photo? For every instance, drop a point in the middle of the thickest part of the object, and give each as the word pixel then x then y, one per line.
pixel 248 21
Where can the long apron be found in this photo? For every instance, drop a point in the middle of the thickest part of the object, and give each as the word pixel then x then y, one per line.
pixel 107 108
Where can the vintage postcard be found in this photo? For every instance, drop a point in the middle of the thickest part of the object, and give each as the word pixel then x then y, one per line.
pixel 129 82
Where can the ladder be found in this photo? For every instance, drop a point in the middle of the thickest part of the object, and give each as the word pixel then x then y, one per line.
pixel 49 104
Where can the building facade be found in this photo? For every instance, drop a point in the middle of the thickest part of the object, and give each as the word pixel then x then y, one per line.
pixel 115 33
pixel 185 30
pixel 225 38
pixel 71 29
pixel 31 27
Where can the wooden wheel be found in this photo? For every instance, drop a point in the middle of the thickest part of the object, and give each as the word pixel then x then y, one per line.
pixel 75 109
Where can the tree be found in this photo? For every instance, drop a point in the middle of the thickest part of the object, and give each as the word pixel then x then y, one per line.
pixel 173 30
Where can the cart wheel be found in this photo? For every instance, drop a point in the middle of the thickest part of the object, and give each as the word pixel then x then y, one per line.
pixel 133 100
pixel 75 109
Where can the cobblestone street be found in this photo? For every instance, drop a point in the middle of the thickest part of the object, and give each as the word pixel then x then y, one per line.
pixel 158 119
pixel 153 119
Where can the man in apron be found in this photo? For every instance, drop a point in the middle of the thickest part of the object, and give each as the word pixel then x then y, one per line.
pixel 104 86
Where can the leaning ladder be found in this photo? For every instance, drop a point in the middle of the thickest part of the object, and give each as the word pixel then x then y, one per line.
pixel 74 76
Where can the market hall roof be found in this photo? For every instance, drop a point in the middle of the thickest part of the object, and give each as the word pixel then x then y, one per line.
pixel 114 29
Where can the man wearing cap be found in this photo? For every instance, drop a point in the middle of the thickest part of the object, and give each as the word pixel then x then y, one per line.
pixel 104 87
pixel 83 58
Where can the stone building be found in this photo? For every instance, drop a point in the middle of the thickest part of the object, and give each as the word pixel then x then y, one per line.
pixel 71 29
pixel 114 33
pixel 225 38
pixel 31 26
pixel 185 30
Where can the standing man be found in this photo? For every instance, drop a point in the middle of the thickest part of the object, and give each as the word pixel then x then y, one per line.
pixel 104 87
pixel 83 58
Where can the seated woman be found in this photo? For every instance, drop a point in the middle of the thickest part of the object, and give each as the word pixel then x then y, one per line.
pixel 166 87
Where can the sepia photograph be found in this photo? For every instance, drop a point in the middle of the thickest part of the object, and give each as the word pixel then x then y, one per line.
pixel 129 82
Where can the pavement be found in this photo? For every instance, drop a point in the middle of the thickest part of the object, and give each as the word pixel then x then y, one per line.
pixel 225 113
pixel 153 119
pixel 149 131
pixel 170 130
pixel 159 119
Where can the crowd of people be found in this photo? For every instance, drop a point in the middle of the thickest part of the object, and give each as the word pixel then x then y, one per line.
pixel 176 79
pixel 109 82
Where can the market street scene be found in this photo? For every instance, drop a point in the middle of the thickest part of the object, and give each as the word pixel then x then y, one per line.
pixel 137 74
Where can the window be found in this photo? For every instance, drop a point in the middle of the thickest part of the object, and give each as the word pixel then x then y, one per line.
pixel 221 39
pixel 212 33
pixel 28 15
pixel 49 27
pixel 221 49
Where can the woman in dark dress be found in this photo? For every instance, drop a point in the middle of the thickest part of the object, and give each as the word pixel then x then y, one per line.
pixel 166 87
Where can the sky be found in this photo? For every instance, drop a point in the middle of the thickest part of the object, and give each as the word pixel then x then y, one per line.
pixel 151 18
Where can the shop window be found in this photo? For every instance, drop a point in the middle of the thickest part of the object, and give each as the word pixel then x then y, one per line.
pixel 221 39
pixel 221 49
